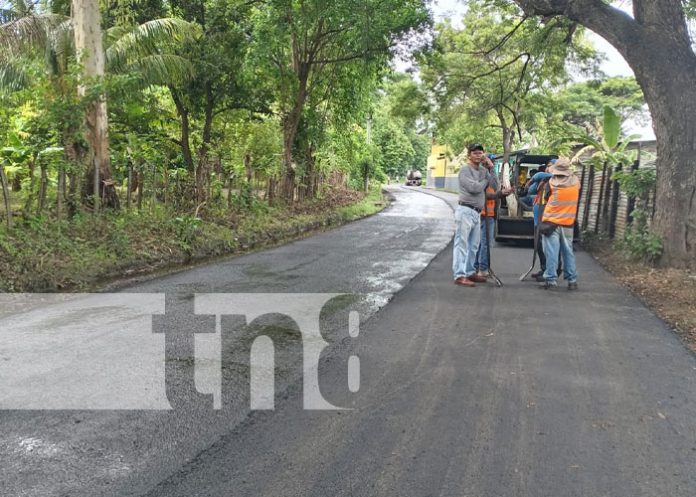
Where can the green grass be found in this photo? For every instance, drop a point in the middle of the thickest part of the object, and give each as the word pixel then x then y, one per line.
pixel 371 204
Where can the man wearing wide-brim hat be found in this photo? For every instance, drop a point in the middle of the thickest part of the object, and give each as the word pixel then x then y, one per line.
pixel 557 224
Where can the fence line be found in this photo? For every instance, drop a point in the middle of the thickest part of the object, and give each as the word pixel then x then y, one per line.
pixel 603 207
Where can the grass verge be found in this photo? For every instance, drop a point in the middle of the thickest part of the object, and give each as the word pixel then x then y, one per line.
pixel 48 255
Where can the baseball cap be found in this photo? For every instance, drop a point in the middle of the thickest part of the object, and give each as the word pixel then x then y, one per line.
pixel 475 146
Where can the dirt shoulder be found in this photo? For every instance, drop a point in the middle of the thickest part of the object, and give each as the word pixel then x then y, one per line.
pixel 669 292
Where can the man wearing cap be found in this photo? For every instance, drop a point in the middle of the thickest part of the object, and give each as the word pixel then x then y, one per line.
pixel 473 180
pixel 557 224
pixel 493 193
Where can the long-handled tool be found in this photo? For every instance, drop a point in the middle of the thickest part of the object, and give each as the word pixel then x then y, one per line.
pixel 534 257
pixel 497 280
pixel 537 236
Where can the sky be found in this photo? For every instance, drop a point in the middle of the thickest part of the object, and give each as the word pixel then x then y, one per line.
pixel 614 65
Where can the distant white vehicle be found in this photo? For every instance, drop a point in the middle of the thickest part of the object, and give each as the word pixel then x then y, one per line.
pixel 414 178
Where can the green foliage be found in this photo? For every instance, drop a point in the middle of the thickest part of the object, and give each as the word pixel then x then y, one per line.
pixel 12 78
pixel 639 242
pixel 636 184
pixel 146 51
pixel 485 74
pixel 690 8
pixel 612 127
pixel 324 59
pixel 186 228
pixel 581 104
pixel 604 143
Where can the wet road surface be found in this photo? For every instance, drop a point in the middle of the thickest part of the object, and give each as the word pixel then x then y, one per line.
pixel 48 363
pixel 480 392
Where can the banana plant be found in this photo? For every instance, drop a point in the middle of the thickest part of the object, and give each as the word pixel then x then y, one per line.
pixel 606 146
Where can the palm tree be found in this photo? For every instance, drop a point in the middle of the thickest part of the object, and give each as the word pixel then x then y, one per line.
pixel 145 51
pixel 23 30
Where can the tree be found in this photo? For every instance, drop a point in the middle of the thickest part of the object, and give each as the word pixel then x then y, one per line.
pixel 401 126
pixel 656 44
pixel 224 82
pixel 89 45
pixel 306 39
pixel 143 52
pixel 134 50
pixel 490 67
pixel 578 108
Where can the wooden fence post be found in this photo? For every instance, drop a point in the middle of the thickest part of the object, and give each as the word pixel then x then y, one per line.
pixel 614 205
pixel 576 228
pixel 631 200
pixel 607 196
pixel 588 198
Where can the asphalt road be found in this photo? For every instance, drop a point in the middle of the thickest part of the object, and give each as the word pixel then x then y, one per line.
pixel 113 429
pixel 480 392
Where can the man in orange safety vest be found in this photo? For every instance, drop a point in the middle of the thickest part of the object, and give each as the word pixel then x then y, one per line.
pixel 557 223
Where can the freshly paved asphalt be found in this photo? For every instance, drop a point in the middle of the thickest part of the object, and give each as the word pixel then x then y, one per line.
pixel 125 452
pixel 480 392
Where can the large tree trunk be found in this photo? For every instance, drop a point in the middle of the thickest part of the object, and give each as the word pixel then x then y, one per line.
pixel 203 169
pixel 185 142
pixel 88 43
pixel 674 116
pixel 291 122
pixel 657 47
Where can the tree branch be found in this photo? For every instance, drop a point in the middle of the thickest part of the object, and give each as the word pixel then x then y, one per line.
pixel 503 40
pixel 353 56
pixel 498 68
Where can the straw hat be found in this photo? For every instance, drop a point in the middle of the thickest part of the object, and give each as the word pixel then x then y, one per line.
pixel 561 168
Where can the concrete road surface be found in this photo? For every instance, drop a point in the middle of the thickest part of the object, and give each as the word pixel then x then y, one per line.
pixel 481 392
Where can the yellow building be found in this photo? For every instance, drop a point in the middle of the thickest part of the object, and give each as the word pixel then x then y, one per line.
pixel 441 170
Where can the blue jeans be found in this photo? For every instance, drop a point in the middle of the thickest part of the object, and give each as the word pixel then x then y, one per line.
pixel 560 240
pixel 467 236
pixel 536 210
pixel 482 262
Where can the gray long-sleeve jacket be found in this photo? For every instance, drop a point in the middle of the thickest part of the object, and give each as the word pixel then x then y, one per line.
pixel 472 185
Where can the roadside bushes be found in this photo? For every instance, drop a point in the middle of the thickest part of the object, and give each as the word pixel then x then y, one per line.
pixel 639 243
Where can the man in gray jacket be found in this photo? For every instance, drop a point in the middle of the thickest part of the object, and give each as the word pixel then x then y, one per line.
pixel 473 180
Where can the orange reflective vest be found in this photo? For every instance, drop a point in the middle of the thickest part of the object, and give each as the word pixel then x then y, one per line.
pixel 562 206
pixel 489 211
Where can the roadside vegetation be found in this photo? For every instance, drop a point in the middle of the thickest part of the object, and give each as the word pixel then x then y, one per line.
pixel 45 255
pixel 184 130
pixel 183 127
